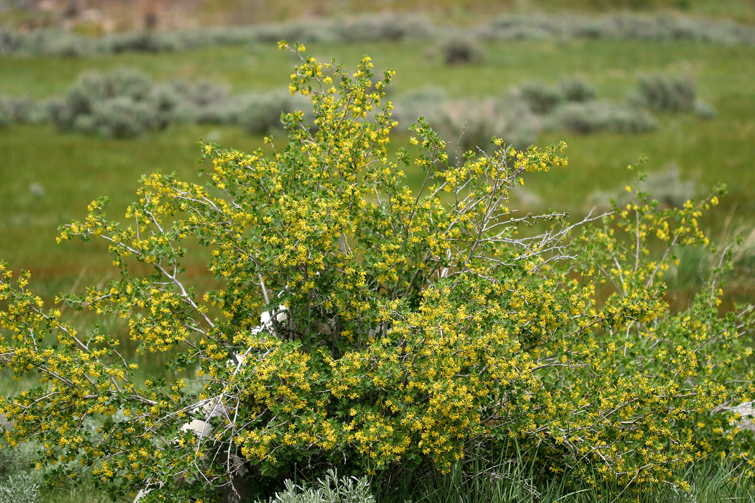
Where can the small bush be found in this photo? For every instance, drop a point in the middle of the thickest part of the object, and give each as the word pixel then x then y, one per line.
pixel 21 110
pixel 331 489
pixel 469 124
pixel 119 117
pixel 126 103
pixel 17 484
pixel 383 26
pixel 260 113
pixel 621 26
pixel 201 102
pixel 458 49
pixel 603 116
pixel 661 92
pixel 541 98
pixel 16 460
pixel 666 186
pixel 141 41
pixel 19 488
pixel 119 104
pixel 576 89
pixel 423 102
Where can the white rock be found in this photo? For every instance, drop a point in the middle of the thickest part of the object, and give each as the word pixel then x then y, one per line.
pixel 199 427
pixel 214 409
pixel 280 316
pixel 747 411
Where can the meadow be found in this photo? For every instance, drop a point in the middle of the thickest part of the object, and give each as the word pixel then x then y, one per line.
pixel 48 177
pixel 74 169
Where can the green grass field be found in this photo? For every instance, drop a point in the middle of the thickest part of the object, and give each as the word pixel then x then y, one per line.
pixel 74 169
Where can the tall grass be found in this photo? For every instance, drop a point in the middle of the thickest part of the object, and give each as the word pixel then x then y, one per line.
pixel 486 479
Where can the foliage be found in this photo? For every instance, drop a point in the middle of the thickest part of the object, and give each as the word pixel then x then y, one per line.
pixel 127 103
pixel 120 104
pixel 17 460
pixel 20 110
pixel 576 89
pixel 370 27
pixel 17 485
pixel 541 98
pixel 260 113
pixel 382 26
pixel 667 187
pixel 6 115
pixel 387 26
pixel 19 488
pixel 201 101
pixel 618 26
pixel 704 110
pixel 422 102
pixel 661 92
pixel 331 489
pixel 459 49
pixel 398 329
pixel 466 124
pixel 603 116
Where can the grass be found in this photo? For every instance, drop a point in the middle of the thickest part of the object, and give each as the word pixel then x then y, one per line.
pixel 520 480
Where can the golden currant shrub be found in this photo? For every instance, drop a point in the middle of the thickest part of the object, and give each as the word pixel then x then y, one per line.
pixel 398 327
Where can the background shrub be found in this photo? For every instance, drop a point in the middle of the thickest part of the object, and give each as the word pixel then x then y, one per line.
pixel 17 459
pixel 422 102
pixel 119 104
pixel 662 92
pixel 666 186
pixel 461 49
pixel 126 103
pixel 383 26
pixel 620 26
pixel 469 124
pixel 141 41
pixel 21 110
pixel 119 117
pixel 6 113
pixel 260 113
pixel 202 102
pixel 540 97
pixel 17 485
pixel 576 89
pixel 603 116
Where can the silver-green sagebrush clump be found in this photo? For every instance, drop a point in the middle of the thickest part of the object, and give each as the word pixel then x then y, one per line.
pixel 403 329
